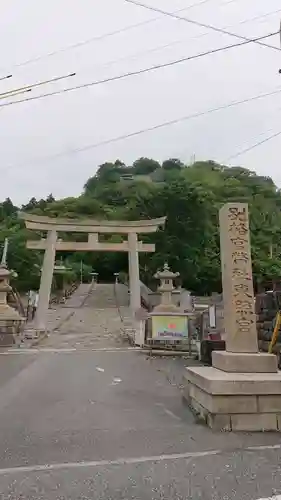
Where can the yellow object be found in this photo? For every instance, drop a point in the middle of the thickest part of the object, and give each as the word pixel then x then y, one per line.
pixel 275 332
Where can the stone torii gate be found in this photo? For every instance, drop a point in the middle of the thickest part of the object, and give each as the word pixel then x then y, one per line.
pixel 53 226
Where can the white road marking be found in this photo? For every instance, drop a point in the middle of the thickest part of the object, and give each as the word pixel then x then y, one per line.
pixel 171 414
pixel 64 350
pixel 167 411
pixel 133 460
pixel 276 497
pixel 265 447
pixel 99 369
pixel 102 463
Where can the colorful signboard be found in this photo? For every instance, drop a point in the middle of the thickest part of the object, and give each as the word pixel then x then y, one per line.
pixel 169 327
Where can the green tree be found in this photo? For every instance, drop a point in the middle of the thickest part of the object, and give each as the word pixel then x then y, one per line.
pixel 145 166
pixel 189 196
pixel 172 164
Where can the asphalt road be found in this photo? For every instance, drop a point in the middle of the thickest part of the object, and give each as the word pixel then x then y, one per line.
pixel 112 425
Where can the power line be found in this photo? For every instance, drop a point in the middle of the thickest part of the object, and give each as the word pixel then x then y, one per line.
pixel 139 72
pixel 152 128
pixel 5 77
pixel 261 16
pixel 136 55
pixel 257 144
pixel 101 37
pixel 19 90
pixel 14 93
pixel 202 25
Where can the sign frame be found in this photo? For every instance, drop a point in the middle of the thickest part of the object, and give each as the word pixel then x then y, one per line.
pixel 170 326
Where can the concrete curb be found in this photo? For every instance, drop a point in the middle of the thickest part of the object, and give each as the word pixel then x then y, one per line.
pixel 159 352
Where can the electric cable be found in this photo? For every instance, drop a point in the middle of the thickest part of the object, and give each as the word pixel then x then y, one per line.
pixel 253 146
pixel 148 129
pixel 101 37
pixel 136 55
pixel 202 25
pixel 139 72
pixel 33 85
pixel 15 93
pixel 5 77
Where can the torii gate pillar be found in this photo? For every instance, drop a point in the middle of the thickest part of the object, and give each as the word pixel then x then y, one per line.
pixel 46 281
pixel 134 273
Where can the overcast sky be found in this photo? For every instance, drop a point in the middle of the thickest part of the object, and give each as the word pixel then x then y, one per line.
pixel 33 132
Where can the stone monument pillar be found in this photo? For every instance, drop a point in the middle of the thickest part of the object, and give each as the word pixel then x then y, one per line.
pixel 238 296
pixel 242 389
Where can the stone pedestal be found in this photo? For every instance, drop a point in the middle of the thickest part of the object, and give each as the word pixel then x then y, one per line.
pixel 244 362
pixel 7 336
pixel 234 401
pixel 241 391
pixel 10 319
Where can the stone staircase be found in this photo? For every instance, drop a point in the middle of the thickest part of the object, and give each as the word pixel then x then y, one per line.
pixel 105 295
pixel 79 296
pixel 96 315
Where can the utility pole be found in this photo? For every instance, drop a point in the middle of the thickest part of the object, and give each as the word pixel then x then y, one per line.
pixel 4 254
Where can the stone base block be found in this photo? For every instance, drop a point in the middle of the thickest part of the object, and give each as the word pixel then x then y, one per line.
pixel 7 339
pixel 234 401
pixel 244 363
pixel 33 333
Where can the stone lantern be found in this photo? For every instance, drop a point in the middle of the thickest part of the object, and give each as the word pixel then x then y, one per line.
pixel 166 277
pixel 10 319
pixel 94 277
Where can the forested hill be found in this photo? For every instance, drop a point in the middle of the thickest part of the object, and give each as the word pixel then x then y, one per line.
pixel 190 197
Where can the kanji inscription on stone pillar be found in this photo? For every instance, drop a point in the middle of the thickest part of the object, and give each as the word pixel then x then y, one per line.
pixel 237 281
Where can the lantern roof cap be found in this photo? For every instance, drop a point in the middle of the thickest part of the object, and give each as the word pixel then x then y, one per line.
pixel 166 273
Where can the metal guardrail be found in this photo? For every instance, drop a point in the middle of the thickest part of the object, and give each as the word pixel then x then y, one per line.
pixel 129 333
pixel 118 307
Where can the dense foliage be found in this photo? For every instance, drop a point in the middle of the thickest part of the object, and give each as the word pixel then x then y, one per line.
pixel 190 197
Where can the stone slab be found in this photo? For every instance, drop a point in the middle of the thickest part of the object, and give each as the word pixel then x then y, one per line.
pixel 214 421
pixel 259 422
pixel 223 404
pixel 218 382
pixel 7 340
pixel 244 362
pixel 219 422
pixel 269 404
pixel 253 422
